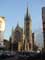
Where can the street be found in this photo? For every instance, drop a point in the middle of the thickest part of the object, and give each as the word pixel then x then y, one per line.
pixel 24 56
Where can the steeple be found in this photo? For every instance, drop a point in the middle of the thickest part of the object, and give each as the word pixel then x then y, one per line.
pixel 28 30
pixel 27 12
pixel 27 16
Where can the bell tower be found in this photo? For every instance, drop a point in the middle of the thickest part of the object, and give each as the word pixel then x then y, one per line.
pixel 28 31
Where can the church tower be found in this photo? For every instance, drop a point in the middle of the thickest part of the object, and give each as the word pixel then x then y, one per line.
pixel 28 31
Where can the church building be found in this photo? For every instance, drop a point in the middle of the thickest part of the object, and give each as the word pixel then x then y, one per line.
pixel 23 39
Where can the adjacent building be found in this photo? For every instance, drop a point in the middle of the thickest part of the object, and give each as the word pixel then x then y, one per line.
pixel 43 23
pixel 2 29
pixel 38 39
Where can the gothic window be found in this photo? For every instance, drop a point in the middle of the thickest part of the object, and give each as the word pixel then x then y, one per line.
pixel 27 33
pixel 27 24
pixel 18 35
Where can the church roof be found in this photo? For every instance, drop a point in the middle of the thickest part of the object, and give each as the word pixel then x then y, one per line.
pixel 18 28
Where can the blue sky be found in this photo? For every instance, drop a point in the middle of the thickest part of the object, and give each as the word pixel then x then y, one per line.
pixel 14 11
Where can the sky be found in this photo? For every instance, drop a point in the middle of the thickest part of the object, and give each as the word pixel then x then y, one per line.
pixel 14 12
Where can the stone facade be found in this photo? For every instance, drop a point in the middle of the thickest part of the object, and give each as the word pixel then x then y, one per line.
pixel 23 39
pixel 28 31
pixel 18 37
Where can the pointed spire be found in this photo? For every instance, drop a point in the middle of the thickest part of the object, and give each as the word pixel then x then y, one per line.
pixel 27 16
pixel 27 8
pixel 27 12
pixel 17 23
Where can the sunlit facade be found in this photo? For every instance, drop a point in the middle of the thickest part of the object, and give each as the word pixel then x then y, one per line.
pixel 2 29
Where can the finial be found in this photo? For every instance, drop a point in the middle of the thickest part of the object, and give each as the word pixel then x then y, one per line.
pixel 17 23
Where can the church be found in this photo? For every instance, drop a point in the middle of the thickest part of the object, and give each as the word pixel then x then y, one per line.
pixel 22 37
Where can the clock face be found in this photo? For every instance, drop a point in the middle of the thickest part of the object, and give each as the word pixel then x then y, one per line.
pixel 2 24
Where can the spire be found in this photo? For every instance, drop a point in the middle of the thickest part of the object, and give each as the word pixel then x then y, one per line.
pixel 17 23
pixel 27 16
pixel 27 9
pixel 27 13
